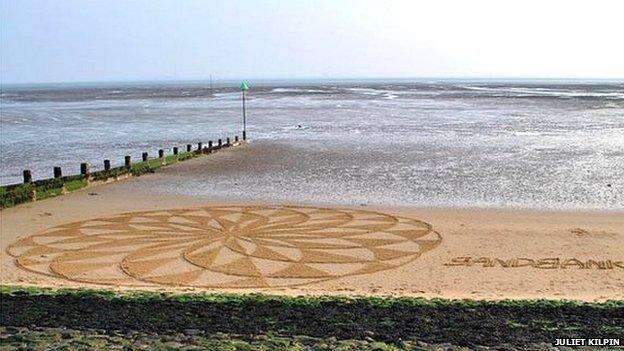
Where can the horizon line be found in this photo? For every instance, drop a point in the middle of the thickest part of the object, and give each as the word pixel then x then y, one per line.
pixel 276 79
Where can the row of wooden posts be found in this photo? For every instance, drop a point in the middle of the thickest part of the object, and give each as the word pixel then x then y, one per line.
pixel 85 169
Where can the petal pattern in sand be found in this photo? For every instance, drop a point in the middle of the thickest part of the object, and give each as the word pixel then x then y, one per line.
pixel 226 246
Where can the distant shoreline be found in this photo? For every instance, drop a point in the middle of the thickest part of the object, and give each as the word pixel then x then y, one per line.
pixel 259 82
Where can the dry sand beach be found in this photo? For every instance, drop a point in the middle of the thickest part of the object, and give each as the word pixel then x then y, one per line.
pixel 126 236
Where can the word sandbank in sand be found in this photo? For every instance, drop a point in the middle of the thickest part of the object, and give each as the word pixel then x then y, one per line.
pixel 540 263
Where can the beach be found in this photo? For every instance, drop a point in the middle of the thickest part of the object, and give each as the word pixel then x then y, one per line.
pixel 453 253
pixel 458 189
pixel 360 216
pixel 351 175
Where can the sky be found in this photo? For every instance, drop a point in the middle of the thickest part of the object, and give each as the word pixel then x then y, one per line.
pixel 92 40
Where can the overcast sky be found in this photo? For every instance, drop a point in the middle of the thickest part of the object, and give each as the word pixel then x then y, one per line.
pixel 68 41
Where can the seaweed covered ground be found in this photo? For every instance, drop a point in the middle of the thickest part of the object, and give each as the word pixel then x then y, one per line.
pixel 38 338
pixel 254 322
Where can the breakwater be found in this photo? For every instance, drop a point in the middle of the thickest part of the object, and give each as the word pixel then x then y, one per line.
pixel 33 190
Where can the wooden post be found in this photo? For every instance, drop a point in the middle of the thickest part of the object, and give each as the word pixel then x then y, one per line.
pixel 199 147
pixel 27 176
pixel 161 156
pixel 244 87
pixel 188 147
pixel 128 161
pixel 57 172
pixel 107 165
pixel 175 150
pixel 219 143
pixel 27 180
pixel 227 141
pixel 244 135
pixel 236 138
pixel 210 145
pixel 84 169
pixel 145 156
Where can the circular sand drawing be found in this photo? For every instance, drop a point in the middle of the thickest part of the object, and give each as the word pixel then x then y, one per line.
pixel 225 247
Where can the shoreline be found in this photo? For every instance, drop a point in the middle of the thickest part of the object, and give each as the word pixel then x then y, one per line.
pixel 272 172
pixel 229 173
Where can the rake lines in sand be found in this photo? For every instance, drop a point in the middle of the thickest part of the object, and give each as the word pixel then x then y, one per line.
pixel 226 246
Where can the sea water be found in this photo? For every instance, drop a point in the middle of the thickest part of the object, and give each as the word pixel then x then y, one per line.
pixel 458 143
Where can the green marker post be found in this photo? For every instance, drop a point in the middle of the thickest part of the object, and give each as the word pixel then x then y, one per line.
pixel 244 87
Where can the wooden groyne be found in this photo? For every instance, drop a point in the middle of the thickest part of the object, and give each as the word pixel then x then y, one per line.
pixel 29 190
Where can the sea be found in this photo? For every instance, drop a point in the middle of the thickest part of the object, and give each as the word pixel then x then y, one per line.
pixel 531 144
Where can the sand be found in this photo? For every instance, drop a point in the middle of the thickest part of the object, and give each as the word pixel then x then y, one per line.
pixel 112 236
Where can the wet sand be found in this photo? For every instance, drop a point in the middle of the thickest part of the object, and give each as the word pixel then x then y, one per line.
pixel 480 254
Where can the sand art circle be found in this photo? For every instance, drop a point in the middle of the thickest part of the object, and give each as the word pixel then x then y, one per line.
pixel 225 247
